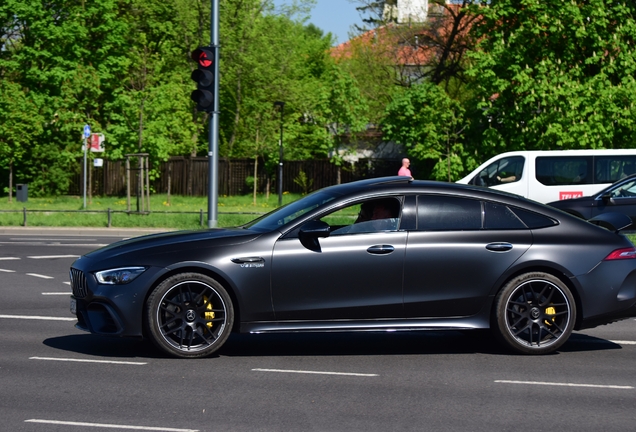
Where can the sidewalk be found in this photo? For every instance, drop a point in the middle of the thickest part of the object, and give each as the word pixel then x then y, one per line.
pixel 81 231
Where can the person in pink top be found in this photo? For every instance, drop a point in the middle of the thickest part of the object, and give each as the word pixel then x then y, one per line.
pixel 404 170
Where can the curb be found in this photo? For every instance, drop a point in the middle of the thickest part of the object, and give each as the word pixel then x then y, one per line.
pixel 82 231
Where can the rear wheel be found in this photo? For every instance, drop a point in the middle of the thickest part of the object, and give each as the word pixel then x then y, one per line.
pixel 534 313
pixel 189 315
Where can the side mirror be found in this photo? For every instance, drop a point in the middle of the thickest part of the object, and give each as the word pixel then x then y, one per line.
pixel 311 232
pixel 607 197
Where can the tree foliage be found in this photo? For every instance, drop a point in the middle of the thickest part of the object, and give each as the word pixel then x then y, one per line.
pixel 552 74
pixel 429 124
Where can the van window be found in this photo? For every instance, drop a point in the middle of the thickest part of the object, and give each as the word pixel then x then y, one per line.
pixel 564 170
pixel 610 169
pixel 505 170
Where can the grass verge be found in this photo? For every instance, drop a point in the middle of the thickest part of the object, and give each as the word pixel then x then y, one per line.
pixel 177 212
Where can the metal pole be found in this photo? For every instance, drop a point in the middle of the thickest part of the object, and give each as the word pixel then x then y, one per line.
pixel 213 146
pixel 281 105
pixel 85 146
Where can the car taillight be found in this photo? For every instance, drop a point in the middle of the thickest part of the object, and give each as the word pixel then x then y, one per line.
pixel 619 254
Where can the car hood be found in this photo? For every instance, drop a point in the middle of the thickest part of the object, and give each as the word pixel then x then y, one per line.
pixel 175 241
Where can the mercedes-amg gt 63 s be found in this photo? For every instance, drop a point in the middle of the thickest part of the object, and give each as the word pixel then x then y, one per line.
pixel 383 254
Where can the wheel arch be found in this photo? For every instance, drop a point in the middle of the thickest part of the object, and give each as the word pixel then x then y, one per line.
pixel 543 268
pixel 191 268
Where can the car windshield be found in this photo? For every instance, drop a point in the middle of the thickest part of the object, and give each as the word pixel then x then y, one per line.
pixel 290 212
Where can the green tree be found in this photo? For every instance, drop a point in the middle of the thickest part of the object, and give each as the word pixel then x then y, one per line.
pixel 429 124
pixel 555 75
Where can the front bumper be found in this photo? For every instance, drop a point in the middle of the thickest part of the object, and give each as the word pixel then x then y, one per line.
pixel 115 310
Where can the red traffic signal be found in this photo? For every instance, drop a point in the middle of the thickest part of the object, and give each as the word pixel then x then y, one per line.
pixel 203 56
pixel 204 77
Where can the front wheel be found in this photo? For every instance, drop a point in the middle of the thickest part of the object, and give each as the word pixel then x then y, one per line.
pixel 534 313
pixel 189 315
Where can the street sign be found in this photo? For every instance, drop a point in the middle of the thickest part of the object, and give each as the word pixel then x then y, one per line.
pixel 97 142
pixel 87 131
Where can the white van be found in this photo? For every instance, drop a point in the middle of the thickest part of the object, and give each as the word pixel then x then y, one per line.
pixel 547 176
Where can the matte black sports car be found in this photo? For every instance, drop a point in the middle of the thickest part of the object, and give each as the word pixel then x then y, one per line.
pixel 619 197
pixel 379 254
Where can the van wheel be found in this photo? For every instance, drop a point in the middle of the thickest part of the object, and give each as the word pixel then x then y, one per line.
pixel 534 313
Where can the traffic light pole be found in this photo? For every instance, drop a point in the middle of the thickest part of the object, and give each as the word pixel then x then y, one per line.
pixel 213 142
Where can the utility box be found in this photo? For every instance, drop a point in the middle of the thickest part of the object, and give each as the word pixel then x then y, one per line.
pixel 22 192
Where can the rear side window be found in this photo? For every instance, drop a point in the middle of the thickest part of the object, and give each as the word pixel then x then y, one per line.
pixel 533 220
pixel 445 213
pixel 442 213
pixel 500 217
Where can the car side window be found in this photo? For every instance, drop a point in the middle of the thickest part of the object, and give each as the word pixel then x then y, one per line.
pixel 500 217
pixel 626 190
pixel 375 215
pixel 444 213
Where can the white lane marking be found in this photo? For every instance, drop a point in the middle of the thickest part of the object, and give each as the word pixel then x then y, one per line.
pixel 7 271
pixel 45 318
pixel 40 276
pixel 110 426
pixel 54 244
pixel 88 361
pixel 53 256
pixel 565 384
pixel 8 258
pixel 50 239
pixel 623 342
pixel 67 283
pixel 57 293
pixel 315 372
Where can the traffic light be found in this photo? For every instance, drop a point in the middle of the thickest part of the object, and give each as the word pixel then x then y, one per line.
pixel 204 77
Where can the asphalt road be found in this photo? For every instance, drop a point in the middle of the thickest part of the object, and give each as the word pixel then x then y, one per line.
pixel 56 378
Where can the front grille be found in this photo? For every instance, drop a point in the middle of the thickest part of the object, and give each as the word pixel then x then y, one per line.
pixel 78 283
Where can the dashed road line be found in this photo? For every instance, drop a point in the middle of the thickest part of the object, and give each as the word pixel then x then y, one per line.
pixel 315 372
pixel 108 426
pixel 9 258
pixel 34 317
pixel 56 293
pixel 52 256
pixel 40 276
pixel 565 384
pixel 88 361
pixel 7 271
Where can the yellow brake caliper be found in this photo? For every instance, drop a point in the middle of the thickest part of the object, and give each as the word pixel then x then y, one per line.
pixel 550 311
pixel 209 314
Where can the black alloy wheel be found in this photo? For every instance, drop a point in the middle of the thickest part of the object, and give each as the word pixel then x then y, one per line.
pixel 535 313
pixel 189 315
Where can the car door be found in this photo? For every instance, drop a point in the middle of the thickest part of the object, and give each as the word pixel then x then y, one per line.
pixel 621 199
pixel 457 254
pixel 353 275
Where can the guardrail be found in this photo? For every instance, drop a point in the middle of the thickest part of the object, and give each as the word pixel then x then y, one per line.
pixel 110 212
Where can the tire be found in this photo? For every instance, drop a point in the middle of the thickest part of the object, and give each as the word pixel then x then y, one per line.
pixel 534 314
pixel 189 315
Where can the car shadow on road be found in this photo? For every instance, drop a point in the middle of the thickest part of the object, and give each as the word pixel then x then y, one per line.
pixel 387 343
pixel 104 346
pixel 323 344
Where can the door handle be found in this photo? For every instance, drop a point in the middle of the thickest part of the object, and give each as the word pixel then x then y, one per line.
pixel 499 247
pixel 381 249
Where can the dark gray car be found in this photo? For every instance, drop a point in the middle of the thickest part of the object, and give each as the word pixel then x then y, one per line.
pixel 619 197
pixel 381 254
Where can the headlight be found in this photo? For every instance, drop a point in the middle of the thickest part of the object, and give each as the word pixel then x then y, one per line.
pixel 119 276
